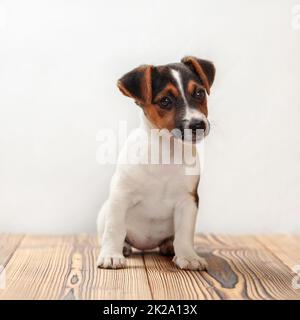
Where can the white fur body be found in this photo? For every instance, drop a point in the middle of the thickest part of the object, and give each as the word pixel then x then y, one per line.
pixel 149 203
pixel 152 191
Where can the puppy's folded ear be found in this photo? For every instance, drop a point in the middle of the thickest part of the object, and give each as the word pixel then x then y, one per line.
pixel 204 69
pixel 137 84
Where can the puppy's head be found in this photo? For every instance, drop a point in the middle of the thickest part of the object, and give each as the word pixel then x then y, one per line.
pixel 173 96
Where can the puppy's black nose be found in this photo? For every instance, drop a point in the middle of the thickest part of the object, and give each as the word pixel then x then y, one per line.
pixel 197 124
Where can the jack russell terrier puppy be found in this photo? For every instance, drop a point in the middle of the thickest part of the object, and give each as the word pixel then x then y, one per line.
pixel 155 205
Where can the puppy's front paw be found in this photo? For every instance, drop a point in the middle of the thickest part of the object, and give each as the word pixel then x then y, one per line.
pixel 111 261
pixel 193 262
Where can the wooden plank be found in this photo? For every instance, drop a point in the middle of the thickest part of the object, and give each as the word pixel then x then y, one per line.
pixel 258 273
pixel 220 282
pixel 37 268
pixel 64 267
pixel 102 284
pixel 230 274
pixel 286 247
pixel 169 282
pixel 8 245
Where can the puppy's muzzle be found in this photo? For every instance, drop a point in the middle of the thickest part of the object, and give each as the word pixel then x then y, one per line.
pixel 194 130
pixel 197 125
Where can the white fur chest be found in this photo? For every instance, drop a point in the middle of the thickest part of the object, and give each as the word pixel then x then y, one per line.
pixel 155 190
pixel 150 220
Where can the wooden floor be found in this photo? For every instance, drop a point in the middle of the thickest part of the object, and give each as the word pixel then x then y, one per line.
pixel 248 267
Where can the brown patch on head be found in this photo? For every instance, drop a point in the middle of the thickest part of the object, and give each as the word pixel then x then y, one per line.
pixel 203 108
pixel 137 84
pixel 201 105
pixel 204 69
pixel 147 84
pixel 162 119
pixel 169 88
pixel 191 86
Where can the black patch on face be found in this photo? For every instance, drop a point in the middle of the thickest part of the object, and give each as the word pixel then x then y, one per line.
pixel 160 78
pixel 186 75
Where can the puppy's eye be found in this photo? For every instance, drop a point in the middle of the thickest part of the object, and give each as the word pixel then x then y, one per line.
pixel 199 94
pixel 165 103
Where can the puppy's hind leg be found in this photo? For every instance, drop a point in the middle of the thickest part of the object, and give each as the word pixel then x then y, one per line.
pixel 166 248
pixel 127 249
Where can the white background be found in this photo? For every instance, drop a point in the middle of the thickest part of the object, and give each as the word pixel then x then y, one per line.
pixel 59 62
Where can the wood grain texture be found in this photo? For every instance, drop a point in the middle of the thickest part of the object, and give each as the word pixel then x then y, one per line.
pixel 285 247
pixel 64 267
pixel 8 245
pixel 259 273
pixel 169 282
